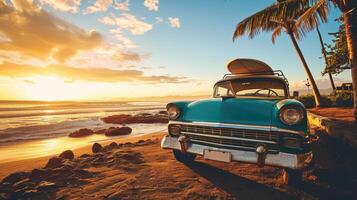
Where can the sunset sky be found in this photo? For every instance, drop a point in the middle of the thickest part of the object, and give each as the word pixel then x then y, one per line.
pixel 110 49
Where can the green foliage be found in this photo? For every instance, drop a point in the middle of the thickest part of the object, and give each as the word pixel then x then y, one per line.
pixel 309 101
pixel 344 99
pixel 337 53
pixel 327 101
pixel 341 100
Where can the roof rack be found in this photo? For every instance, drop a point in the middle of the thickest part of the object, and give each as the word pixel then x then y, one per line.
pixel 278 73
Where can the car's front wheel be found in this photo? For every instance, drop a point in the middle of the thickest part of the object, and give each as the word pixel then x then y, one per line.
pixel 184 157
pixel 292 177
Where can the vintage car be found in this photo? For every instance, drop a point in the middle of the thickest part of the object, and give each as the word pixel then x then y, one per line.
pixel 250 118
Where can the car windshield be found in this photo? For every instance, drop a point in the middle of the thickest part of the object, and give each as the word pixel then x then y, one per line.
pixel 257 87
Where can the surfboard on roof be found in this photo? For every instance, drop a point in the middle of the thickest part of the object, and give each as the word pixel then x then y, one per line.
pixel 248 66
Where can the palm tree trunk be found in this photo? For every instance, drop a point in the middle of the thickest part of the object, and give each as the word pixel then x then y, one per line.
pixel 307 70
pixel 325 57
pixel 350 20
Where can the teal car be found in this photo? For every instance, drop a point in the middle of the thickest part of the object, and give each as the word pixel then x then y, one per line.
pixel 250 118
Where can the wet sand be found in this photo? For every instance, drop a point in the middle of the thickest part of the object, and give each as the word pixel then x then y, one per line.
pixel 33 154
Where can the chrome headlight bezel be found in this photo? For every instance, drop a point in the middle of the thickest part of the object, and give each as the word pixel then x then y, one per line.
pixel 173 111
pixel 291 115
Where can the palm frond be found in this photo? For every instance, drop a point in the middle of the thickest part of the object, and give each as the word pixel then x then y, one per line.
pixel 311 18
pixel 276 33
pixel 264 20
pixel 256 23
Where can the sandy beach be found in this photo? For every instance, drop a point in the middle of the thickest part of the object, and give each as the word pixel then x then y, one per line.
pixel 137 168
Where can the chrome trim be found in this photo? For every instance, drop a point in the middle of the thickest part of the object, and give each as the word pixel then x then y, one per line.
pixel 232 138
pixel 223 145
pixel 238 126
pixel 281 159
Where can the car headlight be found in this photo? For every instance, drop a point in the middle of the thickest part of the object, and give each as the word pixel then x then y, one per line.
pixel 174 130
pixel 291 115
pixel 173 111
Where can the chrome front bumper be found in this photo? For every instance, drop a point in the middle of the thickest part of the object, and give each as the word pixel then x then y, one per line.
pixel 281 159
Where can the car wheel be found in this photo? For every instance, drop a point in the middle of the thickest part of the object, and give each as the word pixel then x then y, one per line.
pixel 184 157
pixel 292 177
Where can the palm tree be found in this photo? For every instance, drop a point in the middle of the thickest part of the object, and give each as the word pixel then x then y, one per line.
pixel 324 53
pixel 280 16
pixel 318 12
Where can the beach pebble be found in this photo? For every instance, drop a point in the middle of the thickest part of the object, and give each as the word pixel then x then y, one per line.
pixel 81 133
pixel 68 154
pixel 118 131
pixel 96 148
pixel 54 162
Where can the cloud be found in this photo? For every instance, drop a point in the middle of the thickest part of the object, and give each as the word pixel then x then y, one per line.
pixel 127 56
pixel 174 22
pixel 127 22
pixel 125 41
pixel 31 31
pixel 121 5
pixel 152 5
pixel 98 6
pixel 93 74
pixel 158 20
pixel 30 81
pixel 63 5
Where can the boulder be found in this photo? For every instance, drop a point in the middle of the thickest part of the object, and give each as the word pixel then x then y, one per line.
pixel 81 133
pixel 100 131
pixel 139 118
pixel 54 162
pixel 37 174
pixel 144 114
pixel 15 177
pixel 68 154
pixel 163 112
pixel 96 148
pixel 84 155
pixel 140 142
pixel 45 186
pixel 118 131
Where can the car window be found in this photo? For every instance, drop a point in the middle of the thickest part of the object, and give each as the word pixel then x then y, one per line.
pixel 224 89
pixel 260 87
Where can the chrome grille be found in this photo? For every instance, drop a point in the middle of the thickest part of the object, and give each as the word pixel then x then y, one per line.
pixel 231 138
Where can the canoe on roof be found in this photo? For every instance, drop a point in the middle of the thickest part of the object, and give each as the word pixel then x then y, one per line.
pixel 248 66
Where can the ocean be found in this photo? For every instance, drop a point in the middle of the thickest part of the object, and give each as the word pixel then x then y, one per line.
pixel 36 120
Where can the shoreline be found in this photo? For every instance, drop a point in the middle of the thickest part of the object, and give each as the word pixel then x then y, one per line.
pixel 27 164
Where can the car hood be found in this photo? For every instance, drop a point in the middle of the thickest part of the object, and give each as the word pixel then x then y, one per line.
pixel 249 111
